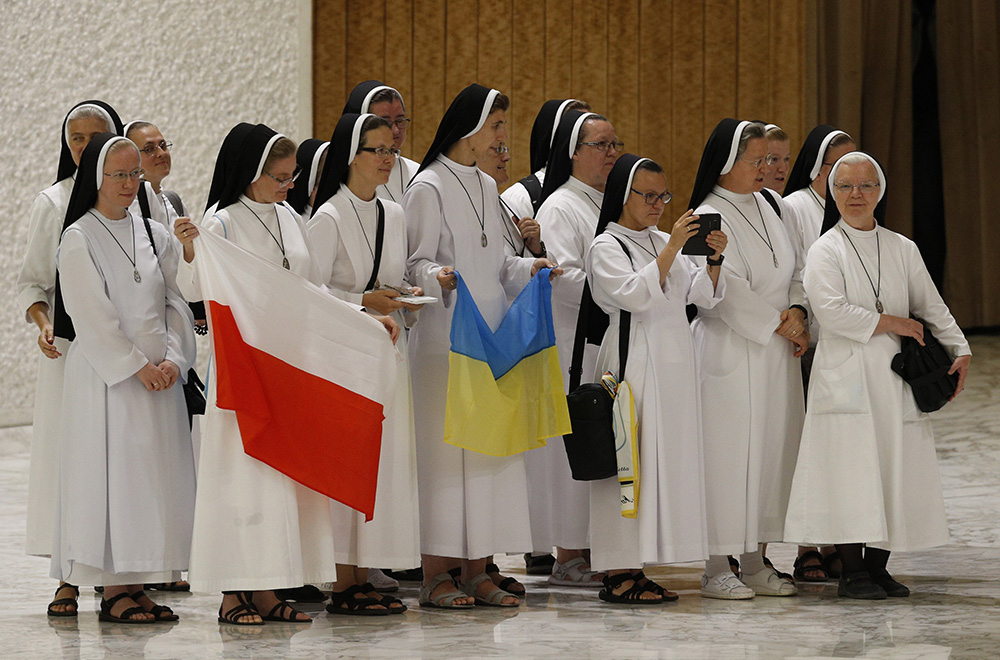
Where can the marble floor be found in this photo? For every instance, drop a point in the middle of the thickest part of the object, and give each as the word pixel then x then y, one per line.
pixel 954 611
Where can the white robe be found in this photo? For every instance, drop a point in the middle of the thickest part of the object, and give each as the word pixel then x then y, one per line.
pixel 519 200
pixel 809 209
pixel 471 505
pixel 126 481
pixel 254 528
pixel 662 371
pixel 867 471
pixel 751 385
pixel 402 172
pixel 36 282
pixel 342 236
pixel 560 506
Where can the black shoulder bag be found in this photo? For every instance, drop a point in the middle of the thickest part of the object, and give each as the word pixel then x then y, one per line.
pixel 926 369
pixel 534 188
pixel 590 448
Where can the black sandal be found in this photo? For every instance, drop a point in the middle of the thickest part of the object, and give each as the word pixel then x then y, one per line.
pixel 307 593
pixel 161 612
pixel 828 565
pixel 540 565
pixel 168 586
pixel 734 565
pixel 649 585
pixel 383 600
pixel 631 596
pixel 505 583
pixel 346 602
pixel 105 613
pixel 783 576
pixel 65 601
pixel 245 608
pixel 279 614
pixel 800 568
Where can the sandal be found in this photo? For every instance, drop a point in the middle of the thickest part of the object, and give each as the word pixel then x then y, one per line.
pixel 631 596
pixel 734 565
pixel 538 565
pixel 494 598
pixel 307 593
pixel 161 612
pixel 385 601
pixel 445 601
pixel 347 602
pixel 665 596
pixel 245 608
pixel 65 601
pixel 282 612
pixel 800 567
pixel 508 584
pixel 574 573
pixel 828 561
pixel 783 576
pixel 168 586
pixel 124 617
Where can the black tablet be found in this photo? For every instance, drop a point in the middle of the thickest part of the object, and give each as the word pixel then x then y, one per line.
pixel 707 223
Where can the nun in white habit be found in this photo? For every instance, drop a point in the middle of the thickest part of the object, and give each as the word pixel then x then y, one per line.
pixel 256 530
pixel 471 505
pixel 582 156
pixel 383 101
pixel 751 380
pixel 345 231
pixel 867 471
pixel 634 267
pixel 310 158
pixel 126 478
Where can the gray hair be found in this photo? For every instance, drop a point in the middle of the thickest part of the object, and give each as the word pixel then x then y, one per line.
pixel 754 131
pixel 387 95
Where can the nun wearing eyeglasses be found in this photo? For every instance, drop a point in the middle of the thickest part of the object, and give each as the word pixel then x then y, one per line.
pixel 867 477
pixel 256 530
pixel 471 505
pixel 582 155
pixel 377 98
pixel 126 478
pixel 633 267
pixel 751 382
pixel 360 244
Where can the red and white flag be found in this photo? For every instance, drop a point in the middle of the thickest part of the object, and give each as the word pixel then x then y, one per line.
pixel 306 374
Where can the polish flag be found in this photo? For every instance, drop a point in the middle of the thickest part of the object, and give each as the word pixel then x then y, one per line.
pixel 306 374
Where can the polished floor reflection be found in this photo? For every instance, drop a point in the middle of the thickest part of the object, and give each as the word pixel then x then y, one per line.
pixel 954 611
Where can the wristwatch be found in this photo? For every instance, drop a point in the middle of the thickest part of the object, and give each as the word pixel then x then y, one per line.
pixel 716 262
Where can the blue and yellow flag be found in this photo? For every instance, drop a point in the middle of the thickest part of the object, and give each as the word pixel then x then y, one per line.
pixel 505 389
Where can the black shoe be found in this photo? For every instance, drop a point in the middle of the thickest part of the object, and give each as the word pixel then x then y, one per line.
pixel 304 594
pixel 409 575
pixel 861 586
pixel 540 565
pixel 892 588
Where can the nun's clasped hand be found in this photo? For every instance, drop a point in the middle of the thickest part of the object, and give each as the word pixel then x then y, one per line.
pixel 792 328
pixel 160 377
pixel 447 279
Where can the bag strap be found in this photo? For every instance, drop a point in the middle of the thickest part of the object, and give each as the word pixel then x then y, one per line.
pixel 769 198
pixel 175 201
pixel 143 200
pixel 625 323
pixel 379 236
pixel 534 188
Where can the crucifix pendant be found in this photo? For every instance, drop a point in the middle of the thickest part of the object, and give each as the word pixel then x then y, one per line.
pixel 284 262
pixel 878 306
pixel 775 258
pixel 484 241
pixel 136 276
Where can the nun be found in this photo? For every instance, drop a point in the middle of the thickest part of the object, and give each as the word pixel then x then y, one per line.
pixel 153 201
pixel 383 101
pixel 867 478
pixel 525 196
pixel 522 236
pixel 359 241
pixel 255 529
pixel 36 295
pixel 471 505
pixel 582 155
pixel 126 478
pixel 751 383
pixel 227 161
pixel 310 158
pixel 633 267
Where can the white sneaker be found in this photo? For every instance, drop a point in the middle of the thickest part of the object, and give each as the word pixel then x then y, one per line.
pixel 382 582
pixel 768 583
pixel 725 586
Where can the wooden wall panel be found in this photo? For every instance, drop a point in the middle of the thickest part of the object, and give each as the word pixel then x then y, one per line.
pixel 656 99
pixel 558 49
pixel 623 72
pixel 589 28
pixel 688 45
pixel 753 70
pixel 398 50
pixel 462 46
pixel 330 82
pixel 528 85
pixel 428 74
pixel 721 37
pixel 365 39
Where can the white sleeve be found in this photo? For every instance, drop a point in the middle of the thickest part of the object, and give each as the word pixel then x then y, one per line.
pixel 615 284
pixel 187 274
pixel 566 246
pixel 181 346
pixel 827 289
pixel 926 303
pixel 324 240
pixel 423 214
pixel 36 281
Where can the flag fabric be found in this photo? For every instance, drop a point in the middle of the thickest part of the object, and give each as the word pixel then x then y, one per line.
pixel 306 374
pixel 505 389
pixel 625 424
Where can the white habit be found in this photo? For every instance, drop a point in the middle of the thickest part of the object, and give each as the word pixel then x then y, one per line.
pixel 342 235
pixel 809 209
pixel 254 528
pixel 663 374
pixel 560 506
pixel 471 505
pixel 126 481
pixel 519 200
pixel 867 471
pixel 751 385
pixel 402 172
pixel 36 282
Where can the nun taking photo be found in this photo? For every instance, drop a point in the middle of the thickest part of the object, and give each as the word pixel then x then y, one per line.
pixel 867 477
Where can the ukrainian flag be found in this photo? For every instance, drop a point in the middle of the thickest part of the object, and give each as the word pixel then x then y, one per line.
pixel 505 389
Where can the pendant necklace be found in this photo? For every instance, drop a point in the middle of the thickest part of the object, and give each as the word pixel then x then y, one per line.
pixel 878 250
pixel 365 234
pixel 643 247
pixel 593 202
pixel 280 240
pixel 482 195
pixel 765 236
pixel 816 198
pixel 506 225
pixel 135 268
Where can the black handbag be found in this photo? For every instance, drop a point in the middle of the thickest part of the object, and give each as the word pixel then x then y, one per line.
pixel 926 369
pixel 590 448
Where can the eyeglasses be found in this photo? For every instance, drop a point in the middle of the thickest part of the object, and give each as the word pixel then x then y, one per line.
pixel 604 146
pixel 382 152
pixel 121 177
pixel 500 149
pixel 653 198
pixel 767 160
pixel 151 149
pixel 400 122
pixel 866 187
pixel 283 183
